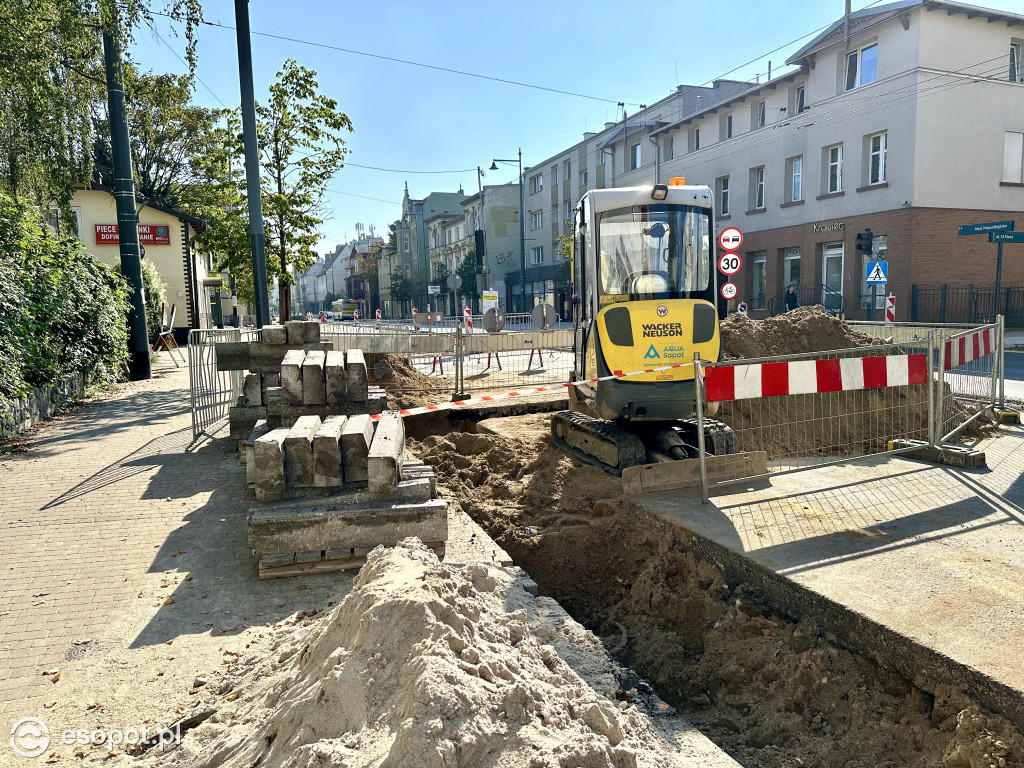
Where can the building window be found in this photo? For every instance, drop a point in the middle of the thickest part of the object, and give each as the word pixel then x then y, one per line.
pixel 723 196
pixel 790 268
pixel 536 183
pixel 758 289
pixel 760 115
pixel 795 172
pixel 1013 157
pixel 669 148
pixel 537 254
pixel 877 147
pixel 567 213
pixel 1016 65
pixel 600 157
pixel 696 139
pixel 834 169
pixel 634 156
pixel 405 241
pixel 727 127
pixel 536 219
pixel 862 67
pixel 566 170
pixel 757 188
pixel 583 178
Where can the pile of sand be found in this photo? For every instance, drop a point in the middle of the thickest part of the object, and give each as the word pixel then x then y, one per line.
pixel 805 329
pixel 422 664
pixel 406 386
pixel 773 692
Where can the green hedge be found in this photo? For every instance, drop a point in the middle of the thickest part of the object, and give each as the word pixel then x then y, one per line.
pixel 61 311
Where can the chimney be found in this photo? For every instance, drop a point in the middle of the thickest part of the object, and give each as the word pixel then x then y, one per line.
pixel 847 8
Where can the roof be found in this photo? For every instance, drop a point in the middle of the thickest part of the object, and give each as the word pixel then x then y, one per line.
pixel 622 129
pixel 198 224
pixel 869 17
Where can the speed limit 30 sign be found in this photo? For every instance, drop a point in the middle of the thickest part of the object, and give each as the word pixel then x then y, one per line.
pixel 730 263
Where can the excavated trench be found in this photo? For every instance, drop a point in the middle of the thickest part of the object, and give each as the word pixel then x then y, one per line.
pixel 772 690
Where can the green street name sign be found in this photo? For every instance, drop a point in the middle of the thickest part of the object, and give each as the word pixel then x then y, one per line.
pixel 1006 237
pixel 984 229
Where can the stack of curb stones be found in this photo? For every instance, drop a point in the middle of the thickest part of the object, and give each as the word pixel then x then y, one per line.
pixel 291 374
pixel 334 490
pixel 331 483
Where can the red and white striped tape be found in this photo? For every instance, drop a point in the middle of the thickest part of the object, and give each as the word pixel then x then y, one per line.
pixel 469 317
pixel 741 382
pixel 970 347
pixel 490 398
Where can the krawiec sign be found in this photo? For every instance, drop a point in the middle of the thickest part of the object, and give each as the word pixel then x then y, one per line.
pixel 149 234
pixel 833 226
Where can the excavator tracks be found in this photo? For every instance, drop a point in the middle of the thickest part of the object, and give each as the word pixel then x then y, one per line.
pixel 597 442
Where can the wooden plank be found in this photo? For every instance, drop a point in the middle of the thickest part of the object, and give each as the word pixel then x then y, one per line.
pixel 652 478
pixel 308 557
pixel 343 560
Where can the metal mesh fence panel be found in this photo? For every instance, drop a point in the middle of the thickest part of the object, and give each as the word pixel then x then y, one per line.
pixel 968 383
pixel 813 428
pixel 510 360
pixel 212 391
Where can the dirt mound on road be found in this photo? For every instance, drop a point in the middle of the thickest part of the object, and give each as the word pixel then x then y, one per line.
pixel 805 329
pixel 774 692
pixel 406 386
pixel 422 665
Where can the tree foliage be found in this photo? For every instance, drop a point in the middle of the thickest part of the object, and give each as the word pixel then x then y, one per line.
pixel 401 288
pixel 170 138
pixel 467 271
pixel 61 311
pixel 301 148
pixel 51 73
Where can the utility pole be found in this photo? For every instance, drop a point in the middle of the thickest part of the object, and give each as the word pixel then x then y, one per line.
pixel 124 197
pixel 252 165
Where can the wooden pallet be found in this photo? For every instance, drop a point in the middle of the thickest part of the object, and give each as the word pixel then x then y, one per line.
pixel 324 561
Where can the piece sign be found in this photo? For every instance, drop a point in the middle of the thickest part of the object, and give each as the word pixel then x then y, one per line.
pixel 728 291
pixel 730 263
pixel 730 238
pixel 878 273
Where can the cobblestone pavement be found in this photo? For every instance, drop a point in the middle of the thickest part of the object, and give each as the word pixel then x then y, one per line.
pixel 100 498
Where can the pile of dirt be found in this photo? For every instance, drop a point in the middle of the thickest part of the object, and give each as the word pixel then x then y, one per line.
pixel 406 386
pixel 422 664
pixel 805 329
pixel 774 692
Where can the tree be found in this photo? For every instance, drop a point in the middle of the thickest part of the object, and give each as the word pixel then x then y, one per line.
pixel 301 148
pixel 401 289
pixel 563 253
pixel 50 75
pixel 467 271
pixel 169 138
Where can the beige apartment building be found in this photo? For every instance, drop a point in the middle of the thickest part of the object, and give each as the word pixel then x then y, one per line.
pixel 905 119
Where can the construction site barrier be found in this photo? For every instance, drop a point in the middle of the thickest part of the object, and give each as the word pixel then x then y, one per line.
pixel 212 391
pixel 817 409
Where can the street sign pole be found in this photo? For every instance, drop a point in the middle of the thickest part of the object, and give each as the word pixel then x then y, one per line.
pixel 999 277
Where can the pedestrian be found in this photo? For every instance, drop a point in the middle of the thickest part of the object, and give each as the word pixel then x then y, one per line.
pixel 792 298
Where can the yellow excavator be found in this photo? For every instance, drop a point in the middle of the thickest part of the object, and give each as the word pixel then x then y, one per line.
pixel 645 296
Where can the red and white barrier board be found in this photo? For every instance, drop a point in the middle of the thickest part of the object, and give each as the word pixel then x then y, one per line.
pixel 741 382
pixel 970 347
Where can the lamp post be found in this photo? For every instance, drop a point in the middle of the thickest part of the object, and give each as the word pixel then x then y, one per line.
pixel 522 223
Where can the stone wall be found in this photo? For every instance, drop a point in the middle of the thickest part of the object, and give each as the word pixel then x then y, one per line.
pixel 40 404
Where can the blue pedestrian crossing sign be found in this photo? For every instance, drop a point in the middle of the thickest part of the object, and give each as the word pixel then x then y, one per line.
pixel 878 273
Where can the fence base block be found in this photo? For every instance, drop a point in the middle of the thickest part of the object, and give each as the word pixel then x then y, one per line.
pixel 651 478
pixel 1004 416
pixel 952 455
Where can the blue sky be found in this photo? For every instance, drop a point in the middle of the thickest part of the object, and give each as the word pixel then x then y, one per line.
pixel 412 118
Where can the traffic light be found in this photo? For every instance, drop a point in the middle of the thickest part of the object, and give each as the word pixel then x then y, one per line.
pixel 864 242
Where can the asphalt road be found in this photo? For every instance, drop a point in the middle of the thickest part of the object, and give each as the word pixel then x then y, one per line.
pixel 1014 365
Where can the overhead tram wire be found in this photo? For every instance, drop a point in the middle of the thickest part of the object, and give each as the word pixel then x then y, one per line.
pixel 409 62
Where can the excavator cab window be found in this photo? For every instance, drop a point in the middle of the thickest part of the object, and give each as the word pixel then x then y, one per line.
pixel 654 252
